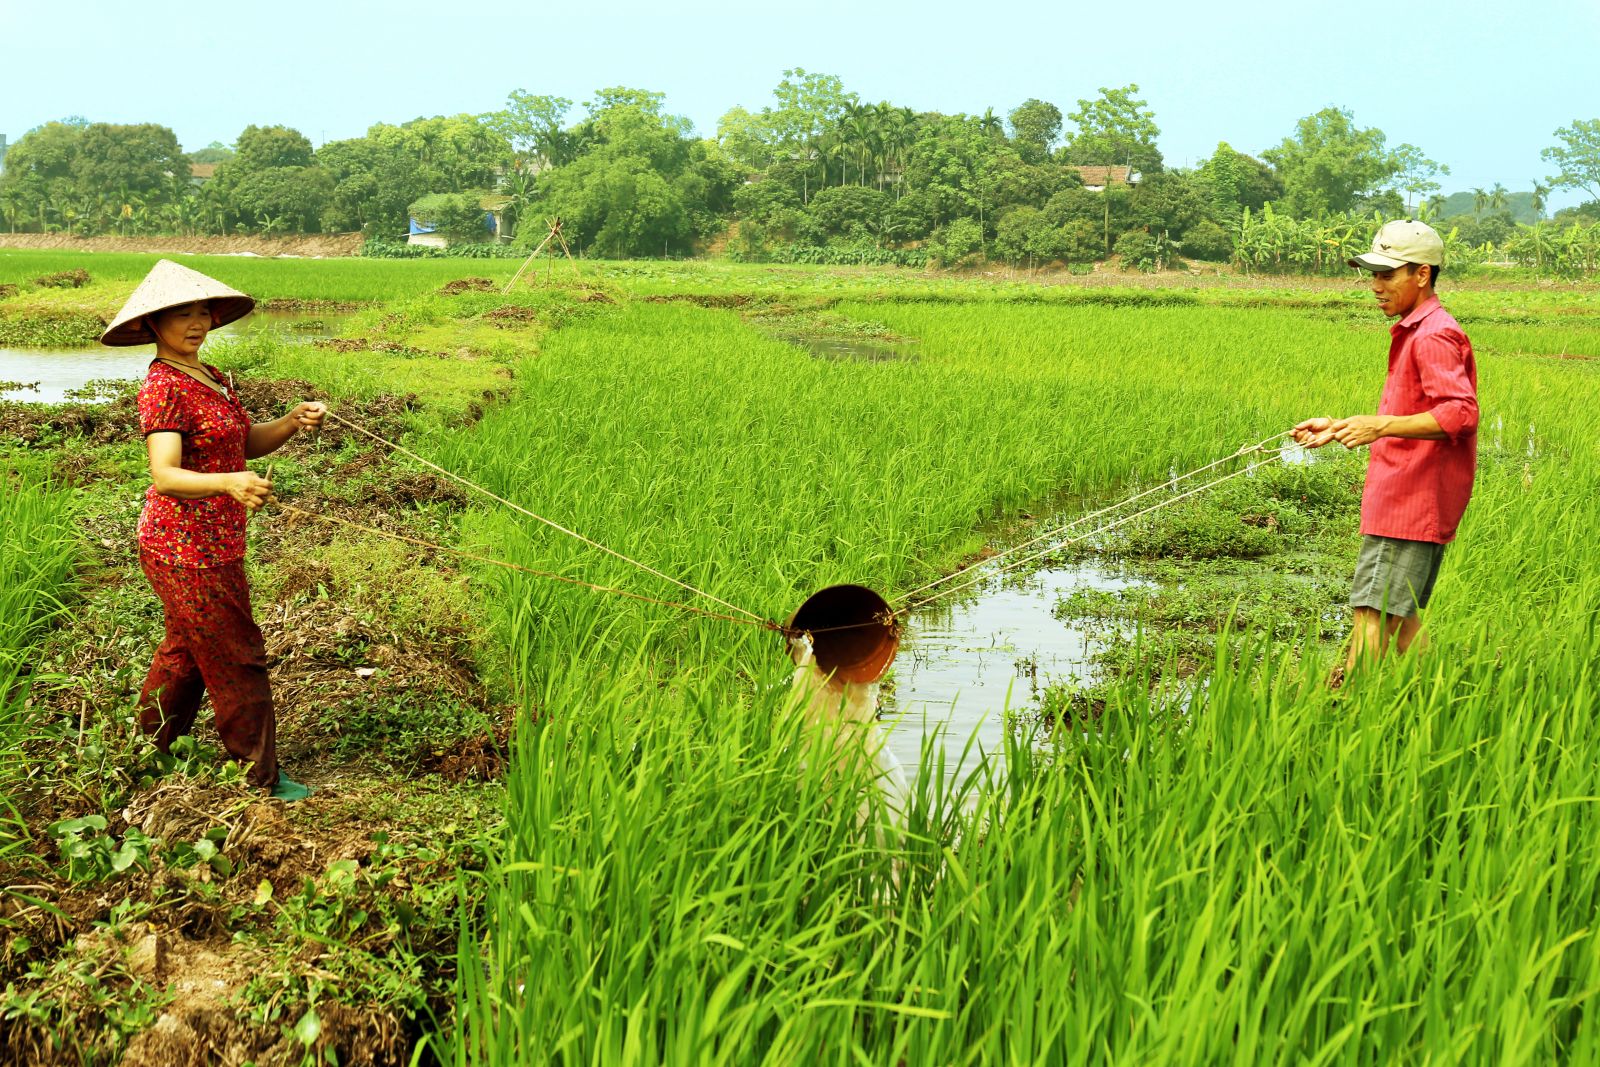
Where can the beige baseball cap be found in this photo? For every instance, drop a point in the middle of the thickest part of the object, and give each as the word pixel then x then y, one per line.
pixel 1400 242
pixel 168 285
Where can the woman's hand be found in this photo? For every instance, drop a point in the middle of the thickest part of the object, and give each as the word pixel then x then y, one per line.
pixel 248 488
pixel 308 415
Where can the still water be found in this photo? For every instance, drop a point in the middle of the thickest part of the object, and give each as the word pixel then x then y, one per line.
pixel 961 666
pixel 48 374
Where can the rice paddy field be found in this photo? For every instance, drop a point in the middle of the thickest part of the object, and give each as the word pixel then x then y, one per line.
pixel 660 867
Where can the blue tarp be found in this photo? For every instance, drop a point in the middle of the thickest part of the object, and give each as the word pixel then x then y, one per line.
pixel 422 227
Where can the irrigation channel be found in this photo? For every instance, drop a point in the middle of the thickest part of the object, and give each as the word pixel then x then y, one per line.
pixel 964 666
pixel 53 375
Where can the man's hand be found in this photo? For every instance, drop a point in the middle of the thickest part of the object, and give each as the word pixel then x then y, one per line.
pixel 1314 433
pixel 1359 430
pixel 308 415
pixel 1352 432
pixel 249 489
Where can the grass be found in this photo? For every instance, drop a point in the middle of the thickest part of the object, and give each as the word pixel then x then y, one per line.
pixel 1272 876
pixel 1266 872
pixel 38 551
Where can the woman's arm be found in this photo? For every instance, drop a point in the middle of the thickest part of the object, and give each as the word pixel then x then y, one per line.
pixel 268 437
pixel 171 479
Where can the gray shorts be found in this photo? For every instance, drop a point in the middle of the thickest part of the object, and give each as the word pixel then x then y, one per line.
pixel 1394 575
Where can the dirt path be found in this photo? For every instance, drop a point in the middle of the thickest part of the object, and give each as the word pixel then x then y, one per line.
pixel 310 245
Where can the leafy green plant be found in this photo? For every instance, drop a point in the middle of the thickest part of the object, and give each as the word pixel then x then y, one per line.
pixel 91 854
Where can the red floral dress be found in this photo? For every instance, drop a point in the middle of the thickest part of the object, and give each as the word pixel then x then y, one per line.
pixel 192 551
pixel 194 533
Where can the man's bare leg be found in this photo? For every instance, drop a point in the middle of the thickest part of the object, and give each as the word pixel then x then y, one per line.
pixel 1411 635
pixel 1371 631
pixel 1368 638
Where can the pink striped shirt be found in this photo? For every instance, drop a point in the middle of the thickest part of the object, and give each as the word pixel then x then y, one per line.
pixel 1415 489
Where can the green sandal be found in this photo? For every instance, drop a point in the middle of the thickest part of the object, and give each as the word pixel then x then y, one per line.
pixel 288 790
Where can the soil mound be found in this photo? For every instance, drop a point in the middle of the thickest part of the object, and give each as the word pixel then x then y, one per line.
pixel 705 300
pixel 35 424
pixel 294 303
pixel 63 279
pixel 467 285
pixel 511 316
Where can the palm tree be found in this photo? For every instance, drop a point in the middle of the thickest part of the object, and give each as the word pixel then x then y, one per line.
pixel 128 204
pixel 884 119
pixel 1479 199
pixel 1497 197
pixel 856 131
pixel 809 153
pixel 520 184
pixel 991 124
pixel 832 145
pixel 900 134
pixel 1540 193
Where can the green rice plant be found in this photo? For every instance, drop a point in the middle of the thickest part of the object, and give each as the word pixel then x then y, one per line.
pixel 38 552
pixel 1262 873
pixel 1253 870
pixel 350 279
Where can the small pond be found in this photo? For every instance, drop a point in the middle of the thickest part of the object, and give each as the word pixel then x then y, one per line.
pixel 962 664
pixel 855 351
pixel 48 374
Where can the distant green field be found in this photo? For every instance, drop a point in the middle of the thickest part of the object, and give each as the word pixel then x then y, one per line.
pixel 265 279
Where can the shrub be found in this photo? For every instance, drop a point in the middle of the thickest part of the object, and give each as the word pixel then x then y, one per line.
pixel 956 243
pixel 1206 240
pixel 1145 251
pixel 839 255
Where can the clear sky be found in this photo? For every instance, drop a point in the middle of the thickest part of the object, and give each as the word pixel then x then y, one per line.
pixel 1478 86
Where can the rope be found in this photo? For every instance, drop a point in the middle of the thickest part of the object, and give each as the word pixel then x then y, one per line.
pixel 924 602
pixel 1260 446
pixel 337 520
pixel 548 522
pixel 909 601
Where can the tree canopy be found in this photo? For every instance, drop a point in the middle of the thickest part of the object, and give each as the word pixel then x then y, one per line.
pixel 1577 156
pixel 1330 164
pixel 815 174
pixel 1116 128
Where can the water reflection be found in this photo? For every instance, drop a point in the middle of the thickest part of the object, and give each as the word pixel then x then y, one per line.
pixel 47 375
pixel 959 667
pixel 855 351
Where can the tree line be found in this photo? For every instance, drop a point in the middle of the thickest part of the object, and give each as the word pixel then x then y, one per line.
pixel 817 175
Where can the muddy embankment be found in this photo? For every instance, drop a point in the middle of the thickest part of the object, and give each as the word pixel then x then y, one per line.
pixel 324 244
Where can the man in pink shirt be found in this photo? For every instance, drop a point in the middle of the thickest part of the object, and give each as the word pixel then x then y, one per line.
pixel 1424 443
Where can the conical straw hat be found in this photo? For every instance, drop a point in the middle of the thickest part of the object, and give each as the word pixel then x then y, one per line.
pixel 168 285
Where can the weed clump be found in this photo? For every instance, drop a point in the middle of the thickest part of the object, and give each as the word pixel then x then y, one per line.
pixel 63 279
pixel 58 328
pixel 467 285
